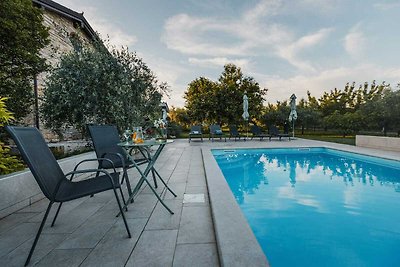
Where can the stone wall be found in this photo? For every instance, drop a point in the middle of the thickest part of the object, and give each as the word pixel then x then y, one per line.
pixel 20 189
pixel 60 29
pixel 378 142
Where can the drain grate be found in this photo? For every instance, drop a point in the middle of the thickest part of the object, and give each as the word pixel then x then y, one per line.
pixel 193 198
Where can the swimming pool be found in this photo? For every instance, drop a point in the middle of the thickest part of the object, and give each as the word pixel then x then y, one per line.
pixel 318 206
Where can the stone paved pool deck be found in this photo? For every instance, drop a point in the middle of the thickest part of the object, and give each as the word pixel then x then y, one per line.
pixel 87 233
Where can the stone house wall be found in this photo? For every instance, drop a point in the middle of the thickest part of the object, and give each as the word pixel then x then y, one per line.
pixel 61 29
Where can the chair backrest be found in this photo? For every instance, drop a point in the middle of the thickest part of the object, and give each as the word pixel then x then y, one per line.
pixel 105 139
pixel 286 128
pixel 233 130
pixel 38 157
pixel 273 130
pixel 196 128
pixel 214 128
pixel 255 130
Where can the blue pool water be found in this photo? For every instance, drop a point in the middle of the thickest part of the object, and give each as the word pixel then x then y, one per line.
pixel 318 207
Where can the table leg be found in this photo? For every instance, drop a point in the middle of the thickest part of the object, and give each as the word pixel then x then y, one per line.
pixel 143 179
pixel 148 157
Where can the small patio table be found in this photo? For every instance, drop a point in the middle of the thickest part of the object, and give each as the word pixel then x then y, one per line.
pixel 144 149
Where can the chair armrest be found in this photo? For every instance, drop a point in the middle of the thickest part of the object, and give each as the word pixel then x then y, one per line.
pixel 87 171
pixel 83 171
pixel 116 154
pixel 97 159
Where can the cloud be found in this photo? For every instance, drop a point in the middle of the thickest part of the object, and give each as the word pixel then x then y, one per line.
pixel 251 34
pixel 184 33
pixel 280 88
pixel 387 5
pixel 171 73
pixel 290 52
pixel 218 62
pixel 262 9
pixel 355 42
pixel 101 25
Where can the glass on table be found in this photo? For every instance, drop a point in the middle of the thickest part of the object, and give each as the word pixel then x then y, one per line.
pixel 137 135
pixel 127 135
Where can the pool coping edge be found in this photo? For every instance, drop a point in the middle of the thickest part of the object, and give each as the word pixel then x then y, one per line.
pixel 236 243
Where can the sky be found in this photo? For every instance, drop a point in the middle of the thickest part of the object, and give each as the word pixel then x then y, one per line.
pixel 287 46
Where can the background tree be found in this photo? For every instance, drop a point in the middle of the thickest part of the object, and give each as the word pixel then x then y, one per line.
pixel 348 123
pixel 180 116
pixel 382 112
pixel 221 102
pixel 307 115
pixel 22 36
pixel 95 85
pixel 277 114
pixel 201 100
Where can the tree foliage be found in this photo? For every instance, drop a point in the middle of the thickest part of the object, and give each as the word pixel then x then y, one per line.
pixel 22 36
pixel 221 101
pixel 8 163
pixel 180 116
pixel 95 85
pixel 347 110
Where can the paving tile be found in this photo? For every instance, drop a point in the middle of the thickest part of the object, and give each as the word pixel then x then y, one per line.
pixel 39 206
pixel 66 208
pixel 178 178
pixel 155 248
pixel 67 223
pixel 196 255
pixel 142 207
pixel 196 225
pixel 146 189
pixel 91 232
pixel 178 188
pixel 193 189
pixel 196 180
pixel 18 235
pixel 46 243
pixel 161 219
pixel 64 257
pixel 14 220
pixel 114 249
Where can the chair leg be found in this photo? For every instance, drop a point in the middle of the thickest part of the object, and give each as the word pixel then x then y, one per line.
pixel 128 183
pixel 97 174
pixel 38 234
pixel 122 213
pixel 162 180
pixel 154 178
pixel 55 216
pixel 123 199
pixel 158 197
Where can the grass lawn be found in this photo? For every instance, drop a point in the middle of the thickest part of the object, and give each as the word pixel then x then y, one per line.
pixel 348 140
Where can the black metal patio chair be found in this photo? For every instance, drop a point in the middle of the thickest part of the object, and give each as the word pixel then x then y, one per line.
pixel 195 131
pixel 257 132
pixel 234 133
pixel 105 141
pixel 274 132
pixel 215 132
pixel 54 184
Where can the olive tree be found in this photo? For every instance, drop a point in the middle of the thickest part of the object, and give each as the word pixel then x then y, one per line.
pixel 99 84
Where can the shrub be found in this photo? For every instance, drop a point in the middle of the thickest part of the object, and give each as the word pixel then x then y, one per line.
pixel 8 163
